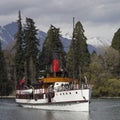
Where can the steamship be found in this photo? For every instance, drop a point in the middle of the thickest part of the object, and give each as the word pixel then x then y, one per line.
pixel 56 91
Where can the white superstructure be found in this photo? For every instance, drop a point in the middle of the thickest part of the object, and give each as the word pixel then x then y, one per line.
pixel 57 96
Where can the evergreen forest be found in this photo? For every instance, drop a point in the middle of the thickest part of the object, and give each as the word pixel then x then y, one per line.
pixel 25 59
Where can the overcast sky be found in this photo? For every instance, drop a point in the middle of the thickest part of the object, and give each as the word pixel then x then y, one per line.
pixel 100 18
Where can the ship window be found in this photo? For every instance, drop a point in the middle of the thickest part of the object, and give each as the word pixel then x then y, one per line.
pixel 66 93
pixel 70 92
pixel 76 92
pixel 63 93
pixel 60 94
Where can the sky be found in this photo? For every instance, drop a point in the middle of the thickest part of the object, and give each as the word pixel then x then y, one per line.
pixel 100 18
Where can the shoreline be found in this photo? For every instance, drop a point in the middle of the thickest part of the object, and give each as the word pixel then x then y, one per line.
pixel 105 98
pixel 7 97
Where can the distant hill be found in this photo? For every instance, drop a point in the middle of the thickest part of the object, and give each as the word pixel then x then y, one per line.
pixel 8 32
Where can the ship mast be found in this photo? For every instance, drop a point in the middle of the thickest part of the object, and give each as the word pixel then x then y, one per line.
pixel 73 49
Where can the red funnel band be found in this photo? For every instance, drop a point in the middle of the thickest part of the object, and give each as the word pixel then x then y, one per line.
pixel 55 65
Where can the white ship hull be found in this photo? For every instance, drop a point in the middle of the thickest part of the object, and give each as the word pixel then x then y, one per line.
pixel 60 106
pixel 72 100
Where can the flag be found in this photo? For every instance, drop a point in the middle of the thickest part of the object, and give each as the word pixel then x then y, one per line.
pixel 22 81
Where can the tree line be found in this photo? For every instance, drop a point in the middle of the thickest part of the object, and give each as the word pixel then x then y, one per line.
pixel 26 59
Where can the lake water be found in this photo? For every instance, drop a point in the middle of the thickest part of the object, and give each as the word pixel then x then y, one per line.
pixel 100 109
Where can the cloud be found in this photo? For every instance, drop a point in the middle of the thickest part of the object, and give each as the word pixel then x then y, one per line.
pixel 106 13
pixel 99 17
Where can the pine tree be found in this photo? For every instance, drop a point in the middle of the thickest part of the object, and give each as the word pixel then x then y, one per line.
pixel 116 45
pixel 19 55
pixel 31 50
pixel 116 40
pixel 51 45
pixel 78 57
pixel 3 73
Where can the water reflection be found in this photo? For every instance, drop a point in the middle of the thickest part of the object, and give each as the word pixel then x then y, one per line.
pixel 101 109
pixel 63 115
pixel 52 115
pixel 11 111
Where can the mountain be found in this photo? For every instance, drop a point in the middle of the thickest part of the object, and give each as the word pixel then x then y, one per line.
pixel 8 31
pixel 98 44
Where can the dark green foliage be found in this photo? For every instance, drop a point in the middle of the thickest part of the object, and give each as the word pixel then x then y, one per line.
pixel 116 45
pixel 51 45
pixel 31 51
pixel 3 73
pixel 78 57
pixel 116 41
pixel 19 55
pixel 26 56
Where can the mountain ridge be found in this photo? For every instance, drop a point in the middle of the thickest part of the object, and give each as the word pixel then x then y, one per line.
pixel 8 31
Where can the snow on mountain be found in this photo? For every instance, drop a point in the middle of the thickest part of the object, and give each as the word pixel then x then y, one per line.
pixel 98 44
